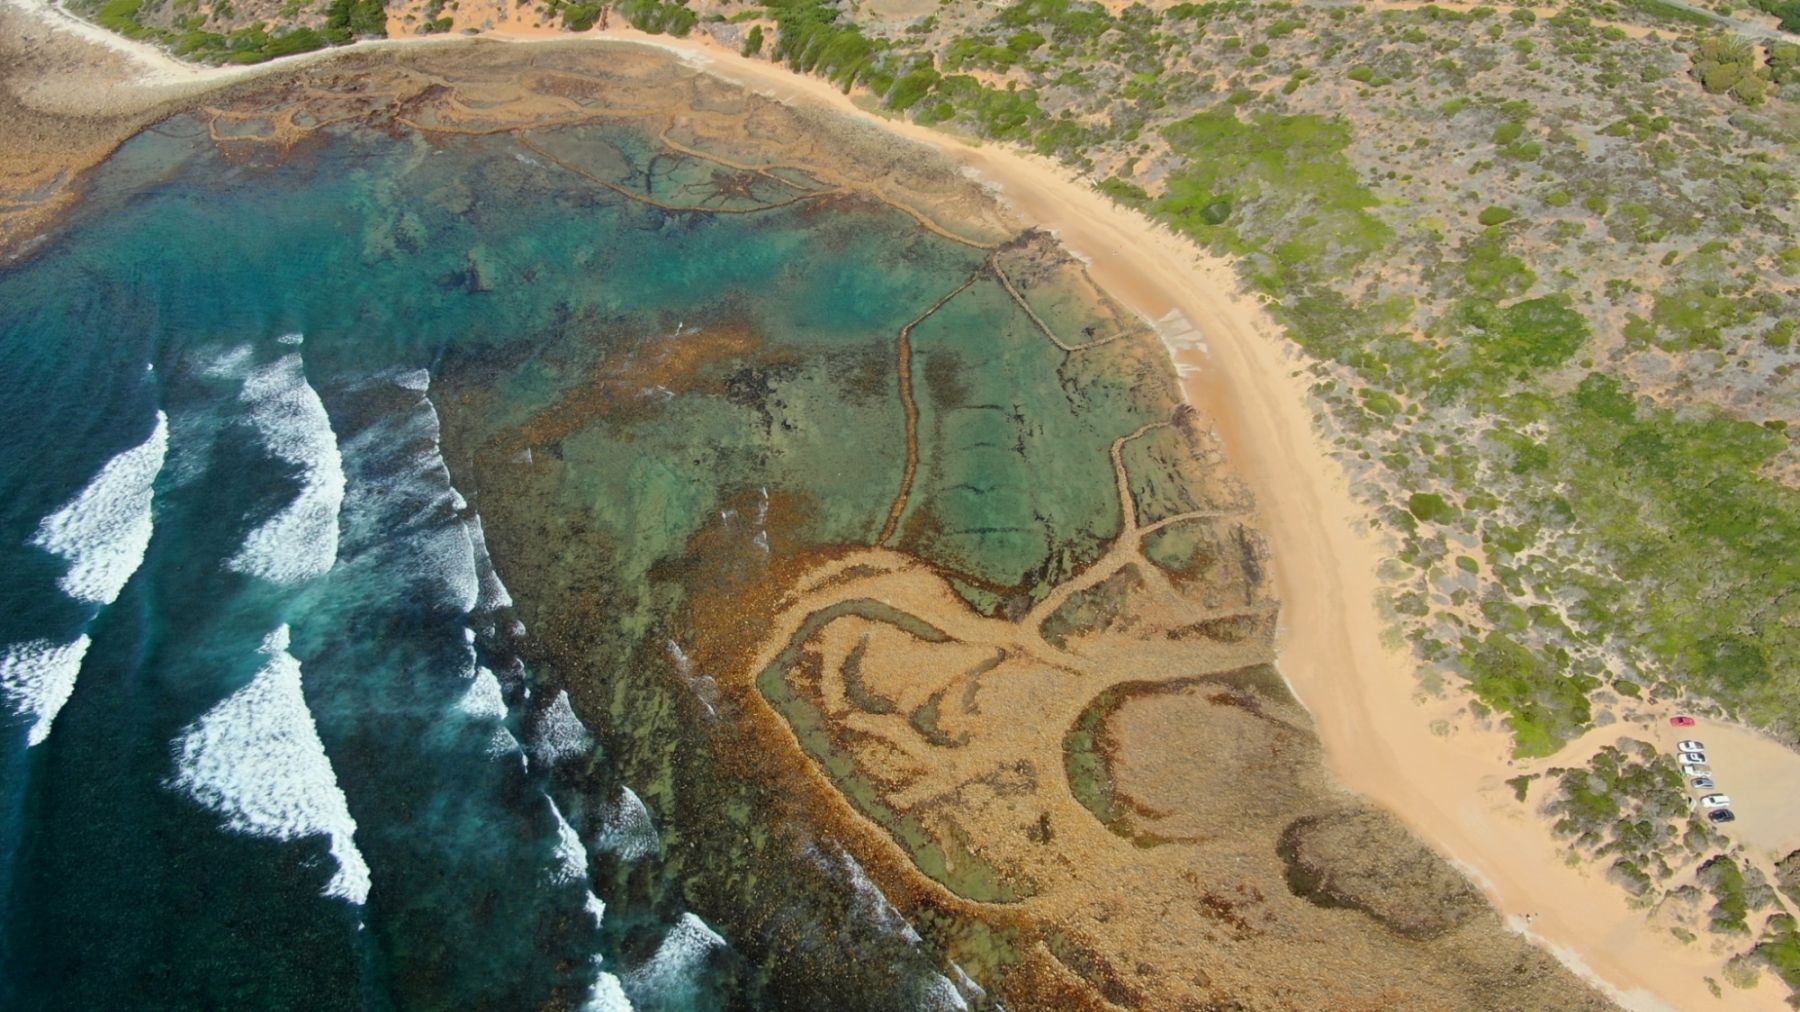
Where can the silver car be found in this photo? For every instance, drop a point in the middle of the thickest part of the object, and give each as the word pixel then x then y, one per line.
pixel 1693 757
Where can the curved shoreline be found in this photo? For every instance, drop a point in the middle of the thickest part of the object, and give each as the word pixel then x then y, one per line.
pixel 1234 361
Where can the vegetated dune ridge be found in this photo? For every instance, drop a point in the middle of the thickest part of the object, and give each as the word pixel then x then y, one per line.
pixel 1330 651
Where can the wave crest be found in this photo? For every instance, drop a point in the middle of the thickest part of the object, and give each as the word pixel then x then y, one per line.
pixel 37 677
pixel 256 759
pixel 104 531
pixel 300 542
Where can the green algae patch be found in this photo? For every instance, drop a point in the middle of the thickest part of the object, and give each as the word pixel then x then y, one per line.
pixel 1085 762
pixel 1014 489
pixel 1185 551
pixel 1166 474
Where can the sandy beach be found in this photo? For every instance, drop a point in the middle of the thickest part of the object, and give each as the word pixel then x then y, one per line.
pixel 1362 694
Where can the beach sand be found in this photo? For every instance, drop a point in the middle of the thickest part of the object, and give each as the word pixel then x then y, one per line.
pixel 1362 695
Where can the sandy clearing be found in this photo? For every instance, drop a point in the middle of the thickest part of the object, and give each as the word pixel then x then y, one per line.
pixel 1759 775
pixel 1236 364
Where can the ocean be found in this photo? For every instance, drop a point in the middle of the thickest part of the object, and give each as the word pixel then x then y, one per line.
pixel 286 471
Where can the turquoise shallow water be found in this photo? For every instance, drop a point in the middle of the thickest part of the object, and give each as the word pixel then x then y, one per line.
pixel 269 740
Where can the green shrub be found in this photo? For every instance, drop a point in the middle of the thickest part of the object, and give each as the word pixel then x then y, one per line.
pixel 1430 507
pixel 347 19
pixel 1495 216
pixel 1727 64
pixel 580 17
pixel 1544 707
pixel 658 18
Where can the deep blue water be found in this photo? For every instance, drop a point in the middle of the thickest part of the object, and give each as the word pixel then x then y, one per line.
pixel 266 740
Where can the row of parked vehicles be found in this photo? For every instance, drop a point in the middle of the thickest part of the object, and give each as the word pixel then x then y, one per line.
pixel 1692 755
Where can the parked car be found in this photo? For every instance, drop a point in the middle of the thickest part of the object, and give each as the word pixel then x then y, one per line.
pixel 1682 720
pixel 1721 815
pixel 1690 746
pixel 1696 770
pixel 1693 757
pixel 1704 783
pixel 1716 801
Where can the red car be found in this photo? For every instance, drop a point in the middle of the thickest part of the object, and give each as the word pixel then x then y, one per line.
pixel 1682 721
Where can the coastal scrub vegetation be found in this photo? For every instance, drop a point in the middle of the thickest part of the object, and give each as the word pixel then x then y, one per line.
pixel 168 23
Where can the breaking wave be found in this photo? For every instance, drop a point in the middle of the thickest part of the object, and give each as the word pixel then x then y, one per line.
pixel 671 973
pixel 37 677
pixel 556 733
pixel 931 991
pixel 493 594
pixel 627 831
pixel 301 541
pixel 607 995
pixel 484 699
pixel 418 380
pixel 571 858
pixel 256 759
pixel 104 531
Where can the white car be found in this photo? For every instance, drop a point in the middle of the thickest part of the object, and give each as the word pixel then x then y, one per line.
pixel 1696 770
pixel 1693 757
pixel 1690 746
pixel 1716 801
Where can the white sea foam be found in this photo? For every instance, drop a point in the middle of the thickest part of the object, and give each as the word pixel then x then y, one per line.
pixel 300 542
pixel 704 686
pixel 571 858
pixel 484 701
pixel 225 364
pixel 447 556
pixel 104 531
pixel 414 379
pixel 869 903
pixel 290 339
pixel 484 698
pixel 418 492
pixel 256 759
pixel 935 991
pixel 672 969
pixel 936 994
pixel 607 995
pixel 556 733
pixel 627 830
pixel 37 677
pixel 493 592
pixel 595 907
